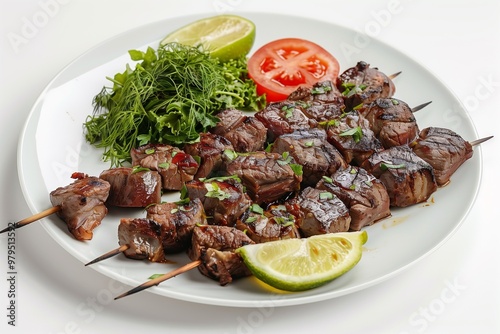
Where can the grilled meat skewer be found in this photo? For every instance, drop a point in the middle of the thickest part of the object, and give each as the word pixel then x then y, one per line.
pixel 132 187
pixel 274 223
pixel 364 84
pixel 444 150
pixel 174 165
pixel 408 178
pixel 81 204
pixel 364 195
pixel 166 229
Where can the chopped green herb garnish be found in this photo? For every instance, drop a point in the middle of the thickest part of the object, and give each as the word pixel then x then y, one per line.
pixel 256 208
pixel 220 178
pixel 288 109
pixel 155 276
pixel 325 195
pixel 356 133
pixel 309 143
pixel 137 169
pixel 320 90
pixel 214 191
pixel 386 166
pixel 328 179
pixel 164 165
pixel 297 169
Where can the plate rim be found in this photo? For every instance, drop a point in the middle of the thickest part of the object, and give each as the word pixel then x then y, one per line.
pixel 298 299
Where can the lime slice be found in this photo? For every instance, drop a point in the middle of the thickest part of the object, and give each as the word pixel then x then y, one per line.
pixel 302 264
pixel 224 36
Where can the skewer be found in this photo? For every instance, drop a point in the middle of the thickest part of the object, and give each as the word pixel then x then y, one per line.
pixel 480 140
pixel 420 106
pixel 159 279
pixel 32 219
pixel 109 254
pixel 392 76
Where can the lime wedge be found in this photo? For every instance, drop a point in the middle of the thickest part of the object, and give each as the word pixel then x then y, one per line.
pixel 224 36
pixel 302 264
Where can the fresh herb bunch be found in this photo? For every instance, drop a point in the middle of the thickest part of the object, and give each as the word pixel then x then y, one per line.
pixel 170 97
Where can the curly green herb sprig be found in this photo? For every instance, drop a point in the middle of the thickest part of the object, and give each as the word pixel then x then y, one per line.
pixel 171 96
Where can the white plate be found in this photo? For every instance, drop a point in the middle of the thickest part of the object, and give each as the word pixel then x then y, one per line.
pixel 52 146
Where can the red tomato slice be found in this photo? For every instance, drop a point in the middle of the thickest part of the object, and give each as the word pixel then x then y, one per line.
pixel 281 66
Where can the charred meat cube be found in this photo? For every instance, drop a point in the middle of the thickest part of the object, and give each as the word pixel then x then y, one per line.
pixel 363 194
pixel 174 165
pixel 177 222
pixel 215 246
pixel 224 199
pixel 319 212
pixel 323 92
pixel 444 150
pixel 274 223
pixel 392 121
pixel 209 150
pixel 408 178
pixel 267 177
pixel 82 204
pixel 364 84
pixel 246 133
pixel 283 117
pixel 321 102
pixel 143 238
pixel 352 136
pixel 132 187
pixel 310 149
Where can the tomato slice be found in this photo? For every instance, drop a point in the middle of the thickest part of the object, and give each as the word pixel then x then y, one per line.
pixel 281 66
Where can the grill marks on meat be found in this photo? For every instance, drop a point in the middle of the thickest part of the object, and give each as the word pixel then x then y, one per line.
pixel 224 201
pixel 444 150
pixel 319 212
pixel 174 165
pixel 364 195
pixel 310 149
pixel 322 102
pixel 356 147
pixel 275 223
pixel 364 84
pixel 392 121
pixel 214 246
pixel 82 204
pixel 209 150
pixel 408 178
pixel 177 223
pixel 246 133
pixel 266 176
pixel 130 188
pixel 283 117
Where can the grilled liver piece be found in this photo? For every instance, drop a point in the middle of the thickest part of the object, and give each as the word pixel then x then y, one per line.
pixel 363 194
pixel 408 178
pixel 82 204
pixel 214 246
pixel 132 189
pixel 444 150
pixel 174 165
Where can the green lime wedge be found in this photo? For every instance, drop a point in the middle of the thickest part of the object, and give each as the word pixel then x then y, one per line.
pixel 302 264
pixel 224 36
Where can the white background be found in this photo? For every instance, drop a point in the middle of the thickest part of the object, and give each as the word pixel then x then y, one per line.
pixel 454 290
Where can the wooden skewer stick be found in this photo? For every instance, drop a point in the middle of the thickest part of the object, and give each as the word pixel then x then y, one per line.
pixel 479 141
pixel 109 254
pixel 159 279
pixel 420 106
pixel 392 76
pixel 32 219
